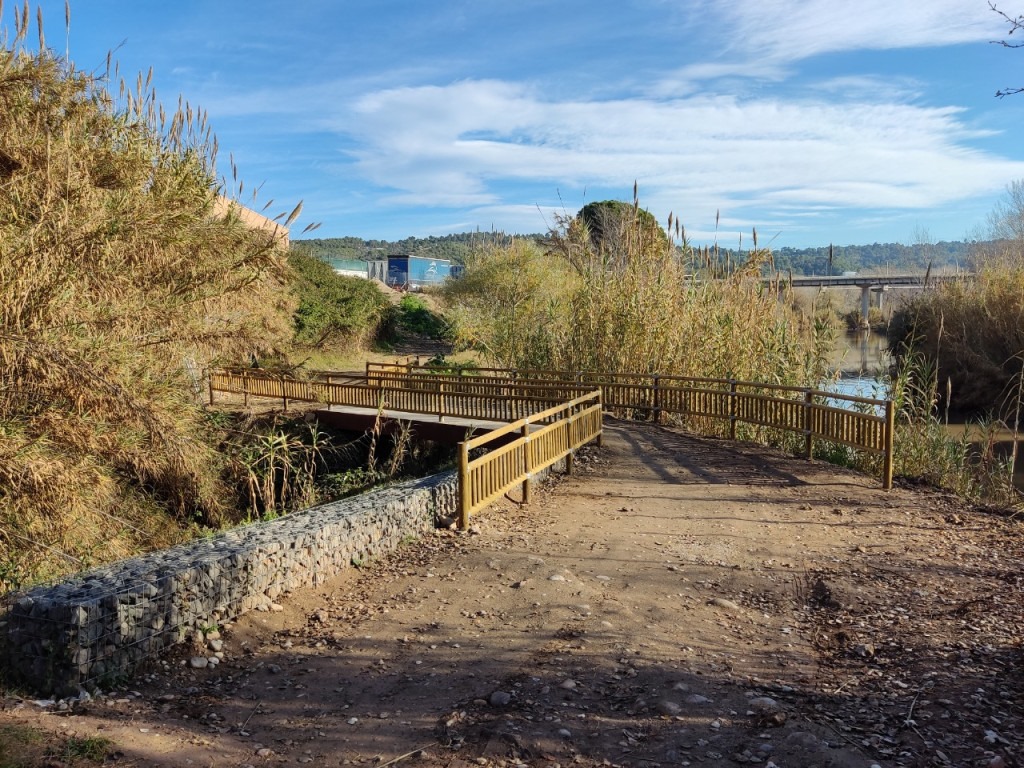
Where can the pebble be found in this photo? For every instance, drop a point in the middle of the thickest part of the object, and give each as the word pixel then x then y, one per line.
pixel 696 698
pixel 199 662
pixel 565 733
pixel 721 602
pixel 670 708
pixel 265 752
pixel 500 698
pixel 556 577
pixel 352 720
pixel 764 705
pixel 568 685
pixel 216 645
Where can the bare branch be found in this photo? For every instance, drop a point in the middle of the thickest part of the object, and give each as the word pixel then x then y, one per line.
pixel 1016 24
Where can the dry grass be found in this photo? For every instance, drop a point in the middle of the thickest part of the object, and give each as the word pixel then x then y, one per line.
pixel 631 301
pixel 118 285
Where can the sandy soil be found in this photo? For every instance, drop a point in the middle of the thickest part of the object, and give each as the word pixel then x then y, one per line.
pixel 679 601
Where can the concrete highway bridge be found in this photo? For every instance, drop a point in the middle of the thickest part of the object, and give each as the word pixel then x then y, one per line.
pixel 869 284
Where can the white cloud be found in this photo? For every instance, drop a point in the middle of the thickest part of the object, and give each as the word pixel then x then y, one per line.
pixel 788 30
pixel 450 146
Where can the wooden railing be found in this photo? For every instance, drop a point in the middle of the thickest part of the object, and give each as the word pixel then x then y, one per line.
pixel 862 423
pixel 487 401
pixel 486 478
pixel 553 420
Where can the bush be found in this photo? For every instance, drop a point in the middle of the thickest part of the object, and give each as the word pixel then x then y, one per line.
pixel 972 332
pixel 333 308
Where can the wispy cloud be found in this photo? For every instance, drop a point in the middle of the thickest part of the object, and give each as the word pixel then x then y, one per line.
pixel 448 145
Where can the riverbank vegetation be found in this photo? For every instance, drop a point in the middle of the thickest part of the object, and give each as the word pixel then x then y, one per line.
pixel 125 273
pixel 959 351
pixel 609 290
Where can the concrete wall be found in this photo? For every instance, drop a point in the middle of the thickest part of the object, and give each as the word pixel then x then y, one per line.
pixel 94 629
pixel 223 205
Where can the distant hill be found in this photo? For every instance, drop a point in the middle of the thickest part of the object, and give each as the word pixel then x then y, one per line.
pixel 874 257
pixel 801 261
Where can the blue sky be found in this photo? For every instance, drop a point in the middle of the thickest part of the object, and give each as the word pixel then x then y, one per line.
pixel 814 121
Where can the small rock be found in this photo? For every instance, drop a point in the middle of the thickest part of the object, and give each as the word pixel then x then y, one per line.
pixel 670 708
pixel 213 661
pixel 728 605
pixel 199 662
pixel 216 645
pixel 500 699
pixel 556 577
pixel 804 740
pixel 568 685
pixel 352 720
pixel 265 752
pixel 764 705
pixel 276 607
pixel 696 698
pixel 565 733
pixel 213 634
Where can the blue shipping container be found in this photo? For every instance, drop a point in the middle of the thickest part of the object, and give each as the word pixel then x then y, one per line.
pixel 417 271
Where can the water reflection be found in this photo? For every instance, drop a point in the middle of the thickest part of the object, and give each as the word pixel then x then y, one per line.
pixel 860 358
pixel 860 354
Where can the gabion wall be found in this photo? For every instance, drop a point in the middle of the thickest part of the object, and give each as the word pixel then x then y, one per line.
pixel 96 628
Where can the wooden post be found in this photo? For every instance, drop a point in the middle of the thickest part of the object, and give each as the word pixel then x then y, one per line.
pixel 464 490
pixel 808 436
pixel 732 409
pixel 440 401
pixel 245 389
pixel 284 393
pixel 209 383
pixel 329 391
pixel 657 400
pixel 890 429
pixel 600 415
pixel 527 482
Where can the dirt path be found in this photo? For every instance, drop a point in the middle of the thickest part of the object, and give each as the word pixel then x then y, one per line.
pixel 679 601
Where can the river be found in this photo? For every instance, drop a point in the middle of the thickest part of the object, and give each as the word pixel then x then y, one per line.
pixel 861 357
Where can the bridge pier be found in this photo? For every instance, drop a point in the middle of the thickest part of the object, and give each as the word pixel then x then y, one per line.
pixel 865 306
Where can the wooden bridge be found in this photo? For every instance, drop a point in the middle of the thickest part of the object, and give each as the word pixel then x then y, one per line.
pixel 527 420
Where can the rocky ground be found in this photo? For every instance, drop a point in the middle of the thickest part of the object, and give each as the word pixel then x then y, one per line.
pixel 679 601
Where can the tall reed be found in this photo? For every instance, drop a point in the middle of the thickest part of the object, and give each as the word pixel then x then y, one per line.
pixel 119 282
pixel 633 299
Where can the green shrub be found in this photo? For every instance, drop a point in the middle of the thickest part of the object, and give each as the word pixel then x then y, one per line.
pixel 415 316
pixel 333 308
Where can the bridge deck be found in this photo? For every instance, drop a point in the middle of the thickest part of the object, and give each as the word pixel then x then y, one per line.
pixel 452 429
